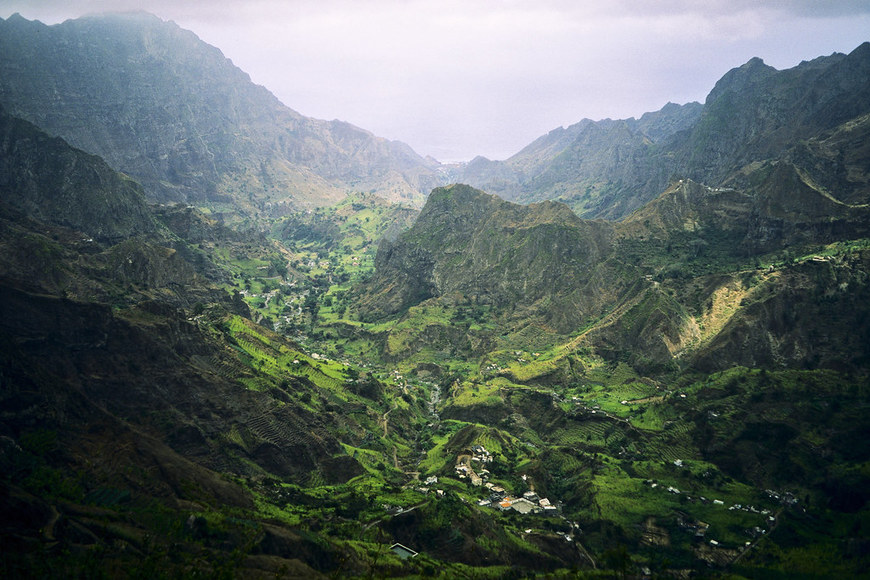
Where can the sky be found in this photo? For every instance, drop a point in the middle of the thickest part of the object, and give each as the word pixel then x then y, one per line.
pixel 460 78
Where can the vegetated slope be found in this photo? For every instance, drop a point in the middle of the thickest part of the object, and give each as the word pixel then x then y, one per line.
pixel 60 288
pixel 703 408
pixel 354 224
pixel 148 425
pixel 649 289
pixel 172 112
pixel 137 400
pixel 753 114
pixel 536 262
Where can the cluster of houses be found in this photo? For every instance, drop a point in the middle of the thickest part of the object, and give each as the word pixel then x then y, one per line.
pixel 580 404
pixel 473 468
pixel 700 528
pixel 465 467
pixel 528 503
pixel 671 489
pixel 493 368
pixel 783 497
pixel 518 356
pixel 427 486
pixel 697 527
pixel 322 264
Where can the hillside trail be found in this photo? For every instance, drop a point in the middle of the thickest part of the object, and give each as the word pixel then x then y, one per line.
pixel 384 419
pixel 757 540
pixel 48 528
pixel 377 520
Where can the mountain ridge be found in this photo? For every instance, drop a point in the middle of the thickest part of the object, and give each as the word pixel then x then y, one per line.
pixel 610 168
pixel 173 112
pixel 541 264
pixel 687 387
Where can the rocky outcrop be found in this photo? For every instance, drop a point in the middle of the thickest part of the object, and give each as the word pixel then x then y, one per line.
pixel 540 258
pixel 46 179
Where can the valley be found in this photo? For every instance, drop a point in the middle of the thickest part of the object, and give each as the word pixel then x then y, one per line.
pixel 310 354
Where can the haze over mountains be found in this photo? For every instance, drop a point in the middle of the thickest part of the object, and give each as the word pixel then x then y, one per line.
pixel 171 111
pixel 753 114
pixel 225 351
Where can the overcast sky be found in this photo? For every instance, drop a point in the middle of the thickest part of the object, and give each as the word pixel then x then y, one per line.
pixel 460 78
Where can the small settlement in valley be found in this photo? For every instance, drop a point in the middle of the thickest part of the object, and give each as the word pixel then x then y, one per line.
pixel 473 468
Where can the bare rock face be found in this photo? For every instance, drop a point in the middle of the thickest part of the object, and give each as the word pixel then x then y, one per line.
pixel 171 111
pixel 45 178
pixel 754 114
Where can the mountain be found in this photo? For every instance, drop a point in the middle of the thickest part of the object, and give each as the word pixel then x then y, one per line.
pixel 45 178
pixel 506 389
pixel 470 243
pixel 149 426
pixel 754 114
pixel 588 164
pixel 133 382
pixel 643 371
pixel 642 288
pixel 172 112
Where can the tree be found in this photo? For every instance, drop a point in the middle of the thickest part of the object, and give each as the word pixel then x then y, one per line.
pixel 311 306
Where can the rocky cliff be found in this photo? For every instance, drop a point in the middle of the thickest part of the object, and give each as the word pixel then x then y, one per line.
pixel 171 111
pixel 754 114
pixel 46 179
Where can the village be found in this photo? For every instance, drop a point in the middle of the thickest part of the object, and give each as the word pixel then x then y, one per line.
pixel 472 467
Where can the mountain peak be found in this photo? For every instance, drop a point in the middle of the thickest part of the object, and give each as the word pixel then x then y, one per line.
pixel 18 21
pixel 203 132
pixel 742 77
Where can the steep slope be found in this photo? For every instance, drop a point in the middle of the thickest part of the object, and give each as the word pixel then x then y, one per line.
pixel 754 114
pixel 539 261
pixel 142 431
pixel 46 179
pixel 709 409
pixel 650 290
pixel 171 111
pixel 587 164
pixel 60 286
pixel 138 402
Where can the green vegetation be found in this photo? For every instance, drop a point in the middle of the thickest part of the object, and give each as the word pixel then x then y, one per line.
pixel 683 405
pixel 646 467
